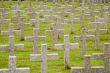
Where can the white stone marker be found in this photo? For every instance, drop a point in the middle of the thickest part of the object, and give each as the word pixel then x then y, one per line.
pixel 97 69
pixel 97 31
pixel 3 18
pixel 17 7
pixel 35 21
pixel 101 11
pixel 35 39
pixel 11 31
pixel 87 67
pixel 109 10
pixel 19 1
pixel 83 38
pixel 92 9
pixel 55 33
pixel 18 15
pixel 66 47
pixel 73 19
pixel 12 67
pixel 83 35
pixel 44 57
pixel 11 47
pixel 22 25
pixel 31 11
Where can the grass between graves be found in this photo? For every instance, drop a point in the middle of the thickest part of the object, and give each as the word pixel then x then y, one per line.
pixel 57 66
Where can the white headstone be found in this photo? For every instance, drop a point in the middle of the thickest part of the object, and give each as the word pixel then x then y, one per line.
pixel 11 47
pixel 44 57
pixel 12 67
pixel 97 31
pixel 66 47
pixel 55 33
pixel 35 39
pixel 3 19
pixel 11 31
pixel 87 67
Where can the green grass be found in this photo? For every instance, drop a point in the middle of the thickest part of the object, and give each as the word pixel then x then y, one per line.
pixel 57 66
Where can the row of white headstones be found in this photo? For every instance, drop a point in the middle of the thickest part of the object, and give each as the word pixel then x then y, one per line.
pixel 56 29
pixel 63 9
pixel 87 58
pixel 43 57
pixel 96 23
pixel 63 1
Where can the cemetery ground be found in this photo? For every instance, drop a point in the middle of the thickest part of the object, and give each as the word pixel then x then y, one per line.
pixel 57 66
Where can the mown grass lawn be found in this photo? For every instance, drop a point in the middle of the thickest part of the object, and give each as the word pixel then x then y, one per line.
pixel 57 66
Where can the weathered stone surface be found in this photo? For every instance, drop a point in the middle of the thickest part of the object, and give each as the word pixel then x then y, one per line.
pixel 12 67
pixel 88 37
pixel 105 57
pixel 37 57
pixel 56 32
pixel 35 39
pixel 66 47
pixel 11 47
pixel 43 57
pixel 98 56
pixel 102 31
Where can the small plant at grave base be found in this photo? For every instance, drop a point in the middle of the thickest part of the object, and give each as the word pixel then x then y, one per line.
pixel 72 32
pixel 41 16
pixel 66 16
pixel 33 25
pixel 22 39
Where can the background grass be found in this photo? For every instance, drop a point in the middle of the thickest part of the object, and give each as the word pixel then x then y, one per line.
pixel 56 66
